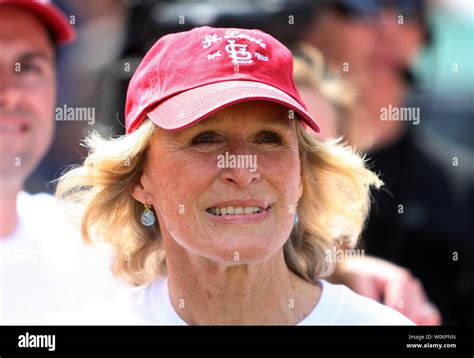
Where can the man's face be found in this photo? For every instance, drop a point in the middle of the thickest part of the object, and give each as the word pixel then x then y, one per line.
pixel 372 53
pixel 27 92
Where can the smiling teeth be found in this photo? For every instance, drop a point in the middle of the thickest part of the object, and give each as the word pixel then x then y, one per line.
pixel 237 210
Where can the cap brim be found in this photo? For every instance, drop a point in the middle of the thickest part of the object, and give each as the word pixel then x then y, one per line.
pixel 52 17
pixel 190 107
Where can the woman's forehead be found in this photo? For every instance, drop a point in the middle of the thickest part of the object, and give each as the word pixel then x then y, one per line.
pixel 250 113
pixel 244 116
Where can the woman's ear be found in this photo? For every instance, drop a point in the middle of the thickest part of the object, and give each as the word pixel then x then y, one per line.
pixel 300 185
pixel 300 189
pixel 139 192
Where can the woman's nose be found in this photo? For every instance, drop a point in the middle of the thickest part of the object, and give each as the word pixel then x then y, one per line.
pixel 238 165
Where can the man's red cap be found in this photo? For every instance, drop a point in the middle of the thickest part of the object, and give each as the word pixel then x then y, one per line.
pixel 187 76
pixel 50 15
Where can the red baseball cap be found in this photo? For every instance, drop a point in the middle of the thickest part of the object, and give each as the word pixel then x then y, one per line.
pixel 50 15
pixel 187 76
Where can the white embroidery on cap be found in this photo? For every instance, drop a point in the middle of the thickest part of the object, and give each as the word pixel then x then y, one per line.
pixel 236 34
pixel 209 40
pixel 238 52
pixel 214 55
pixel 260 56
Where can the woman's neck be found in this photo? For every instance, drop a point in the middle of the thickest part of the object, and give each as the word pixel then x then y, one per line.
pixel 205 292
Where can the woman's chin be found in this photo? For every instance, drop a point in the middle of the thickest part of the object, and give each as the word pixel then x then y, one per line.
pixel 245 249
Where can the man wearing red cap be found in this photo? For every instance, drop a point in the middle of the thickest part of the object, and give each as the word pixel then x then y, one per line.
pixel 35 250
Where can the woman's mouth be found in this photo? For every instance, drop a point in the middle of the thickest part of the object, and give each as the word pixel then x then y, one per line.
pixel 241 211
pixel 235 210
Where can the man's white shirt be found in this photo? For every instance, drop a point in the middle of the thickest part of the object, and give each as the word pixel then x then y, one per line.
pixel 45 267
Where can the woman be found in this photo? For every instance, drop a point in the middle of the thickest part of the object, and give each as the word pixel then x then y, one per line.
pixel 218 199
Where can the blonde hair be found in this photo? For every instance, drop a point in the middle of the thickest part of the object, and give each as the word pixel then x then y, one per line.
pixel 334 204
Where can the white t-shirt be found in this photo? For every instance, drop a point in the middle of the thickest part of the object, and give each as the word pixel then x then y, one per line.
pixel 45 267
pixel 151 305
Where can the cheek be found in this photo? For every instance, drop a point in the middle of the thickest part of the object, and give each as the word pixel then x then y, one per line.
pixel 177 182
pixel 358 46
pixel 177 185
pixel 350 43
pixel 282 172
pixel 42 100
pixel 410 43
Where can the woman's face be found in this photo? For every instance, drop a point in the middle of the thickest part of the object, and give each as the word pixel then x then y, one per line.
pixel 227 187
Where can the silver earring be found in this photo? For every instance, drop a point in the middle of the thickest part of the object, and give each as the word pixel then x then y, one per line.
pixel 148 217
pixel 295 222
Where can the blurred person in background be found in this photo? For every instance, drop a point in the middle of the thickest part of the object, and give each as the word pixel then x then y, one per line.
pixel 43 266
pixel 331 99
pixel 100 28
pixel 422 221
pixel 326 95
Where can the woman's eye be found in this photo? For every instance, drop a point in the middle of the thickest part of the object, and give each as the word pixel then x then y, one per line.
pixel 205 138
pixel 269 137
